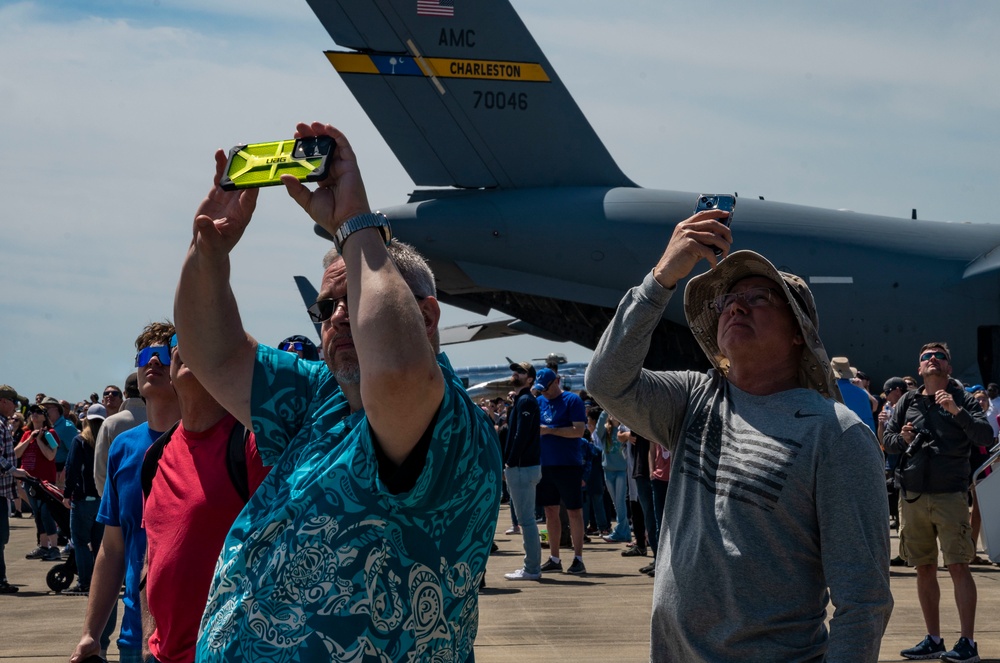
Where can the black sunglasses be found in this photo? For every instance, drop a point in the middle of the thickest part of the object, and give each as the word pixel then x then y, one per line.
pixel 110 392
pixel 324 309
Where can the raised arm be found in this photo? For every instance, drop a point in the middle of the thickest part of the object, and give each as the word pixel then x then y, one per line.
pixel 401 382
pixel 615 376
pixel 210 332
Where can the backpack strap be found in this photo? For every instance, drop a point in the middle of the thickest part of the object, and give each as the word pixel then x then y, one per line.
pixel 151 461
pixel 236 461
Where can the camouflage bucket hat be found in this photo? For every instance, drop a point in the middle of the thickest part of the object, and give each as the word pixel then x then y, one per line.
pixel 814 372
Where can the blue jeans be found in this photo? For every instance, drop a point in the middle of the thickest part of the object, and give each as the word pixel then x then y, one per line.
pixel 129 655
pixel 86 533
pixel 617 484
pixel 44 522
pixel 521 482
pixel 659 500
pixel 648 512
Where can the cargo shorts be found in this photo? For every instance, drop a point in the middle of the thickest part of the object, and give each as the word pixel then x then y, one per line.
pixel 934 517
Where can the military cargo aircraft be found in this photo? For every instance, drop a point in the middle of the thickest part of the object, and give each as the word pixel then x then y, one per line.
pixel 473 110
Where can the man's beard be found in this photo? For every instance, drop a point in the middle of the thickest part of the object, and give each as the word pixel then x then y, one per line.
pixel 350 374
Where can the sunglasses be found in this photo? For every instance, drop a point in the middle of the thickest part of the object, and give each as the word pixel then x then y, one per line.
pixel 324 309
pixel 144 356
pixel 753 297
pixel 291 346
pixel 112 393
pixel 940 356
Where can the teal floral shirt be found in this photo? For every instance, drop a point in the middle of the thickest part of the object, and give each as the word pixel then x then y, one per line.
pixel 325 563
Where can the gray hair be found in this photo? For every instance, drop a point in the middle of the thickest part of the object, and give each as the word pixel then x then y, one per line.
pixel 411 265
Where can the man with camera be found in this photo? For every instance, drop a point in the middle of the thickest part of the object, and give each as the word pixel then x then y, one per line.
pixel 934 428
pixel 776 501
pixel 370 535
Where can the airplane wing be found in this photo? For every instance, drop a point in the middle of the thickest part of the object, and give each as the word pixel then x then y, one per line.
pixel 463 95
pixel 478 331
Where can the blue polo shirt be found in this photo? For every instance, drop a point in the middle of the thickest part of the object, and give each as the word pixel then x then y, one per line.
pixel 560 412
pixel 326 562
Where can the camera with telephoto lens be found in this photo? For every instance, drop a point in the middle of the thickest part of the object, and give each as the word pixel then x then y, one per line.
pixel 922 439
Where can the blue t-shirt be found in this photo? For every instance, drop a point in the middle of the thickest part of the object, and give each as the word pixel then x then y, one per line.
pixel 560 412
pixel 65 432
pixel 325 563
pixel 121 506
pixel 856 399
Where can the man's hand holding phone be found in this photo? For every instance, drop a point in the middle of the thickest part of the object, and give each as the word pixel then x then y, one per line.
pixel 341 195
pixel 704 235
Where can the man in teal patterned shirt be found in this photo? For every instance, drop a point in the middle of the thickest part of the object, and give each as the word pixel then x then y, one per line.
pixel 369 538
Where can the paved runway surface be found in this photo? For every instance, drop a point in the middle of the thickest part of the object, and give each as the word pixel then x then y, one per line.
pixel 603 616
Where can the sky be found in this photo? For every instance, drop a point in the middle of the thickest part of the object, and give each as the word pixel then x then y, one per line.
pixel 110 113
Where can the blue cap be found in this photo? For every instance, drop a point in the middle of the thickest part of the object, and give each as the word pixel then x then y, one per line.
pixel 545 377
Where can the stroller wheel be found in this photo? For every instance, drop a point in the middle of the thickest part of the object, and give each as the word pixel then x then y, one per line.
pixel 59 577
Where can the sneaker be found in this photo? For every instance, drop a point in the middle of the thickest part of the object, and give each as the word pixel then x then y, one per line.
pixel 521 574
pixel 513 530
pixel 17 514
pixel 927 649
pixel 964 651
pixel 610 539
pixel 897 561
pixel 52 555
pixel 634 551
pixel 577 568
pixel 7 588
pixel 37 553
pixel 77 590
pixel 552 565
pixel 648 568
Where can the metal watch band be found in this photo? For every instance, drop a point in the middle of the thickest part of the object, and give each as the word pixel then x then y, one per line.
pixel 360 222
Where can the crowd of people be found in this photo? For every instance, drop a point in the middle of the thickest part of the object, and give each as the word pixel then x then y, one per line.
pixel 277 503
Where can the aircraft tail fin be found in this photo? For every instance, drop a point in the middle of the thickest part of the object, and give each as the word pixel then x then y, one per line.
pixel 309 295
pixel 463 95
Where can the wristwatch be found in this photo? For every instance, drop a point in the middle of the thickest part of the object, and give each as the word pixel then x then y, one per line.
pixel 359 222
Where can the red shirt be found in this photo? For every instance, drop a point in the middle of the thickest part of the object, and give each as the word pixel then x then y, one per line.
pixel 191 506
pixel 34 462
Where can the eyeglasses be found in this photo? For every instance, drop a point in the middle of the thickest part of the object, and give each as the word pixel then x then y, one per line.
pixel 324 309
pixel 111 393
pixel 291 346
pixel 144 356
pixel 940 356
pixel 753 297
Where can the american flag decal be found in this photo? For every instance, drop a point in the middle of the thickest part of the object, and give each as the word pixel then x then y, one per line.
pixel 435 7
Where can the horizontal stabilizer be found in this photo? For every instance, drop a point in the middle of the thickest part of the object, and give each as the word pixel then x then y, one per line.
pixel 463 95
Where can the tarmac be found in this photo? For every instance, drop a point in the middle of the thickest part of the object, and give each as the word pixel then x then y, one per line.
pixel 602 616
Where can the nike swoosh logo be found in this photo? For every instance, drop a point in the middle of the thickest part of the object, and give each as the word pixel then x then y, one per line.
pixel 802 415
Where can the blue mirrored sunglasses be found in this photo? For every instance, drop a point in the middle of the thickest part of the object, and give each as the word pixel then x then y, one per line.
pixel 144 356
pixel 293 346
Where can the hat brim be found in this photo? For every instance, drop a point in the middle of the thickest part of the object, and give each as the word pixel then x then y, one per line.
pixel 814 371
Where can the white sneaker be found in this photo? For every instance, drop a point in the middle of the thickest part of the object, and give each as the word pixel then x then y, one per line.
pixel 521 574
pixel 513 530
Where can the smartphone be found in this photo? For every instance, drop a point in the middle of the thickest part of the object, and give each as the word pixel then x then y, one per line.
pixel 263 164
pixel 722 201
